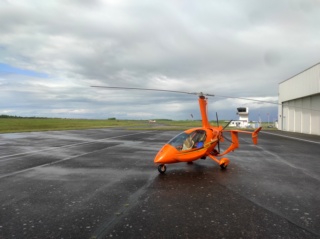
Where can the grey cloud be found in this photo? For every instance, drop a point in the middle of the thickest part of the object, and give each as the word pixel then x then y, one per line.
pixel 238 48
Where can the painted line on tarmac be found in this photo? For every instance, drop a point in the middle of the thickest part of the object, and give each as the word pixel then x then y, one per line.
pixel 4 158
pixel 290 137
pixel 51 163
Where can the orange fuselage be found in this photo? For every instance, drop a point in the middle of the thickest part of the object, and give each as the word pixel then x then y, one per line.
pixel 179 152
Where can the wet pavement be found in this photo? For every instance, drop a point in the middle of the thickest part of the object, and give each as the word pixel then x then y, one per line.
pixel 103 184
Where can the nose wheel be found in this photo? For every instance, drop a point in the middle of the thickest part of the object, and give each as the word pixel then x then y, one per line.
pixel 162 168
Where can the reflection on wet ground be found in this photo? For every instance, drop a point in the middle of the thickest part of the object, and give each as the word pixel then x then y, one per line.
pixel 103 183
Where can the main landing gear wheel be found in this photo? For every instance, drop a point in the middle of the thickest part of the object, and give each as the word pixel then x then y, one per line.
pixel 162 168
pixel 224 163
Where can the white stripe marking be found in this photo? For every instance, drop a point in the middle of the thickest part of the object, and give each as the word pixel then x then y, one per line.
pixel 285 136
pixel 47 164
pixel 67 146
pixel 61 160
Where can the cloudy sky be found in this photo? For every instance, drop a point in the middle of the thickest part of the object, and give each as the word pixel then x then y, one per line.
pixel 52 51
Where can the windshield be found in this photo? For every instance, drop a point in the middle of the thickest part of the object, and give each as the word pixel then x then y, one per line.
pixel 184 141
pixel 179 139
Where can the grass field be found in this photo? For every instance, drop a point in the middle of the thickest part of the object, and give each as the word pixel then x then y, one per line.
pixel 11 125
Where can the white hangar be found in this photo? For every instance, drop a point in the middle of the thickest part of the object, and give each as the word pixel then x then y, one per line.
pixel 299 102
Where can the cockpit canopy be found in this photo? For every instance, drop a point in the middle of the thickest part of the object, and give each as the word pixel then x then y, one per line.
pixel 187 141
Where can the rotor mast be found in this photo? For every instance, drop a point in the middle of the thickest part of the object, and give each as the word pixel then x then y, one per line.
pixel 203 110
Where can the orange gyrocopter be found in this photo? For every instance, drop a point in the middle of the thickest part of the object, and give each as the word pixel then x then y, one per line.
pixel 197 143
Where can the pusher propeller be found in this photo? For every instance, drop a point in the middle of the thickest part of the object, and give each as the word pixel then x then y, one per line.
pixel 221 132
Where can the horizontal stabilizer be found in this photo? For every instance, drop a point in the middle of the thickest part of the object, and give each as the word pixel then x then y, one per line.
pixel 234 139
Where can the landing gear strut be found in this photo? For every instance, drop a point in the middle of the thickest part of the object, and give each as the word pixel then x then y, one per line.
pixel 162 168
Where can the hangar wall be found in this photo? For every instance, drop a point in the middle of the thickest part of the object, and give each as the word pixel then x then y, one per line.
pixel 299 102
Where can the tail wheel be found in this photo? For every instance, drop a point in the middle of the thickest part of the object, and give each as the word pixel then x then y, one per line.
pixel 162 168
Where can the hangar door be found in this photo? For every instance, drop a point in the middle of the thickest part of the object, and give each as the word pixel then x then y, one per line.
pixel 302 115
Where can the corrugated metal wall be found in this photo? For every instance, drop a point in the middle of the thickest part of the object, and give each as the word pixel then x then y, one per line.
pixel 299 99
pixel 297 116
pixel 301 85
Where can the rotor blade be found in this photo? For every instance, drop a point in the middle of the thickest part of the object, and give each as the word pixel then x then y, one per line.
pixel 150 89
pixel 180 92
pixel 242 98
pixel 268 102
pixel 202 94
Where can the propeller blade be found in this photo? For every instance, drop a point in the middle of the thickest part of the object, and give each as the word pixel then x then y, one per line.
pixel 221 132
pixel 217 119
pixel 227 124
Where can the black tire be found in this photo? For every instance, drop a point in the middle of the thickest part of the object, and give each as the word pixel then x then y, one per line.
pixel 223 166
pixel 162 168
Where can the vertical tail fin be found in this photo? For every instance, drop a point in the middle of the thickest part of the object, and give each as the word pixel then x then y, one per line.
pixel 255 135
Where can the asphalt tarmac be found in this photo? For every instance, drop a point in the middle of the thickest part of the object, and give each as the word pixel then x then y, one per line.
pixel 103 184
